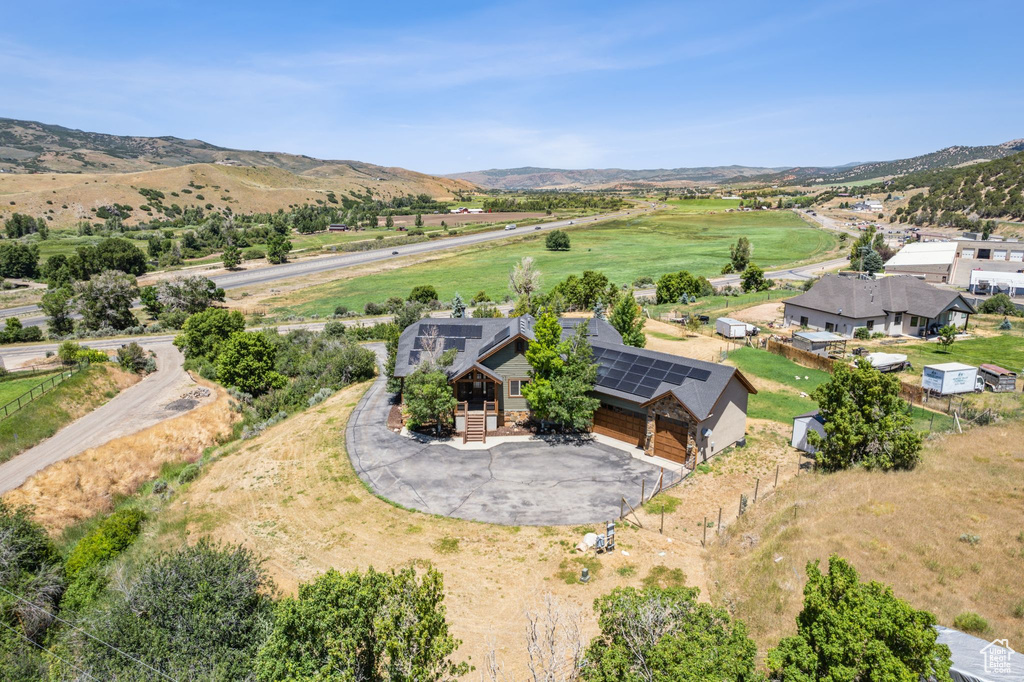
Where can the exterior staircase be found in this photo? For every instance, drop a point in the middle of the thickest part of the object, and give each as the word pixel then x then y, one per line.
pixel 476 431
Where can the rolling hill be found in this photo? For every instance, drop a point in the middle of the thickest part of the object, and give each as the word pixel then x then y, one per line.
pixel 64 173
pixel 604 178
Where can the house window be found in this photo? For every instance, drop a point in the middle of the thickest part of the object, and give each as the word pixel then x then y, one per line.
pixel 829 327
pixel 520 346
pixel 515 387
pixel 898 319
pixel 803 320
pixel 871 325
pixel 915 321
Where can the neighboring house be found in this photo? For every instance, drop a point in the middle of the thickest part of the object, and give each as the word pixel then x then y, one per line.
pixel 672 407
pixel 895 306
pixel 804 424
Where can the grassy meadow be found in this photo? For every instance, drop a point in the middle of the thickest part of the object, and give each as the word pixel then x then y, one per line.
pixel 647 245
pixel 14 387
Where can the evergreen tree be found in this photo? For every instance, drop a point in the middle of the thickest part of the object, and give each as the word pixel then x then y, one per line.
pixel 232 256
pixel 458 307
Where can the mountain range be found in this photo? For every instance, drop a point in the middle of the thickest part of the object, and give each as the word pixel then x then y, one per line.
pixel 529 178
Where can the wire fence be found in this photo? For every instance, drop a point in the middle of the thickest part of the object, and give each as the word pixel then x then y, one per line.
pixel 40 390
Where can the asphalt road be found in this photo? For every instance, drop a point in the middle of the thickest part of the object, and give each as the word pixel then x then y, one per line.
pixel 312 266
pixel 136 408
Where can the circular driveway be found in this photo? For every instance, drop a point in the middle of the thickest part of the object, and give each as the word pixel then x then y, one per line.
pixel 535 483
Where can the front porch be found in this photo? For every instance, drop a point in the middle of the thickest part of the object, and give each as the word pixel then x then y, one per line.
pixel 477 412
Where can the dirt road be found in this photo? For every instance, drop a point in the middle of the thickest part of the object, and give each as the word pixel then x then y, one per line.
pixel 144 404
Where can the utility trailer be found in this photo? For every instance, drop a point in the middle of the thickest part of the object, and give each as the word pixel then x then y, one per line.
pixel 734 329
pixel 998 379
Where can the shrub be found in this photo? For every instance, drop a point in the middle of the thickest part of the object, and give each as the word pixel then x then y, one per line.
pixel 423 293
pixel 113 535
pixel 254 254
pixel 334 330
pixel 189 473
pixel 861 333
pixel 557 240
pixel 131 357
pixel 341 310
pixel 971 622
pixel 372 308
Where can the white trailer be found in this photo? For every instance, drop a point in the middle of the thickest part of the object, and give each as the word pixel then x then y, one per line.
pixel 734 329
pixel 950 378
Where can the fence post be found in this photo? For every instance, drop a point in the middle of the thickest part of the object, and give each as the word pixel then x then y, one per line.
pixel 719 520
pixel 704 542
pixel 776 476
pixel 643 490
pixel 757 484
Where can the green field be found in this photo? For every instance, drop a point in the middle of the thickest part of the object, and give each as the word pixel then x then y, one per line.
pixel 703 205
pixel 776 368
pixel 647 245
pixel 13 388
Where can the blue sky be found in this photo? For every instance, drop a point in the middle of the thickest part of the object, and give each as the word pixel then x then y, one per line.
pixel 446 87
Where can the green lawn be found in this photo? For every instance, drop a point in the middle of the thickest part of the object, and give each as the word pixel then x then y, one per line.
pixel 12 388
pixel 1005 350
pixel 646 245
pixel 776 368
pixel 782 406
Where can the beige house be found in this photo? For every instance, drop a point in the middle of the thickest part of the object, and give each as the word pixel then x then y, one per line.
pixel 899 305
pixel 669 406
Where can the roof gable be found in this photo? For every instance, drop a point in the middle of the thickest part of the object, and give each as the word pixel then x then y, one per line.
pixel 861 298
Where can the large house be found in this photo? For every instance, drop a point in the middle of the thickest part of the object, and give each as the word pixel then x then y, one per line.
pixel 896 305
pixel 672 407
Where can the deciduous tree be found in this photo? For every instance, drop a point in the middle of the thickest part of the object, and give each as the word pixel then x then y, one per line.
pixel 106 300
pixel 753 279
pixel 363 626
pixel 739 254
pixel 866 422
pixel 850 630
pixel 627 318
pixel 58 304
pixel 246 362
pixel 557 240
pixel 203 333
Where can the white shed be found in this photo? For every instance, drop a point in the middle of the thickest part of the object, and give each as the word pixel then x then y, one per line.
pixel 802 425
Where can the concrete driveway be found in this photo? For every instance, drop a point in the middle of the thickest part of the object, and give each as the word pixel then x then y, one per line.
pixel 535 483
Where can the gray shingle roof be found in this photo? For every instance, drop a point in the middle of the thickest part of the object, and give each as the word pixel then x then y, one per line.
pixel 860 298
pixel 633 374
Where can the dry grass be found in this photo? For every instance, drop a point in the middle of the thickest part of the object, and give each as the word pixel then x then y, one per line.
pixel 903 529
pixel 86 484
pixel 250 189
pixel 292 496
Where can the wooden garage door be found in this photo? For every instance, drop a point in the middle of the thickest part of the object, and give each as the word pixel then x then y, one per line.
pixel 621 425
pixel 670 439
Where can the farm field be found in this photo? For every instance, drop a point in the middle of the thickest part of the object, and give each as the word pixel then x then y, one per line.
pixel 703 205
pixel 621 249
pixel 905 529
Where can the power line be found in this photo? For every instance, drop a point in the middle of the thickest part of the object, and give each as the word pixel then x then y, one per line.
pixel 44 649
pixel 89 635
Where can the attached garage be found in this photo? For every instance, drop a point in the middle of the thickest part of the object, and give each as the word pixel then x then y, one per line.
pixel 621 424
pixel 670 438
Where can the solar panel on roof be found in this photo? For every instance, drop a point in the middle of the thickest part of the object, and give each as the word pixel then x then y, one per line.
pixel 675 377
pixel 616 374
pixel 662 364
pixel 646 391
pixel 634 376
pixel 627 387
pixel 650 381
pixel 414 357
pixel 700 374
pixel 644 362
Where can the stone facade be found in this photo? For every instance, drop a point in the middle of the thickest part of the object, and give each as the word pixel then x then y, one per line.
pixel 670 407
pixel 516 416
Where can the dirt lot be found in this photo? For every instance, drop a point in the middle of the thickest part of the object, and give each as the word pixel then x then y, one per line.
pixel 760 314
pixel 673 338
pixel 292 496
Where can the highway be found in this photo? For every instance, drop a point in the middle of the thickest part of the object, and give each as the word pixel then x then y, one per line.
pixel 316 265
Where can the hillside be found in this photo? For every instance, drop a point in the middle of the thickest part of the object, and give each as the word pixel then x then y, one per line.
pixel 605 178
pixel 68 197
pixel 993 189
pixel 618 178
pixel 63 174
